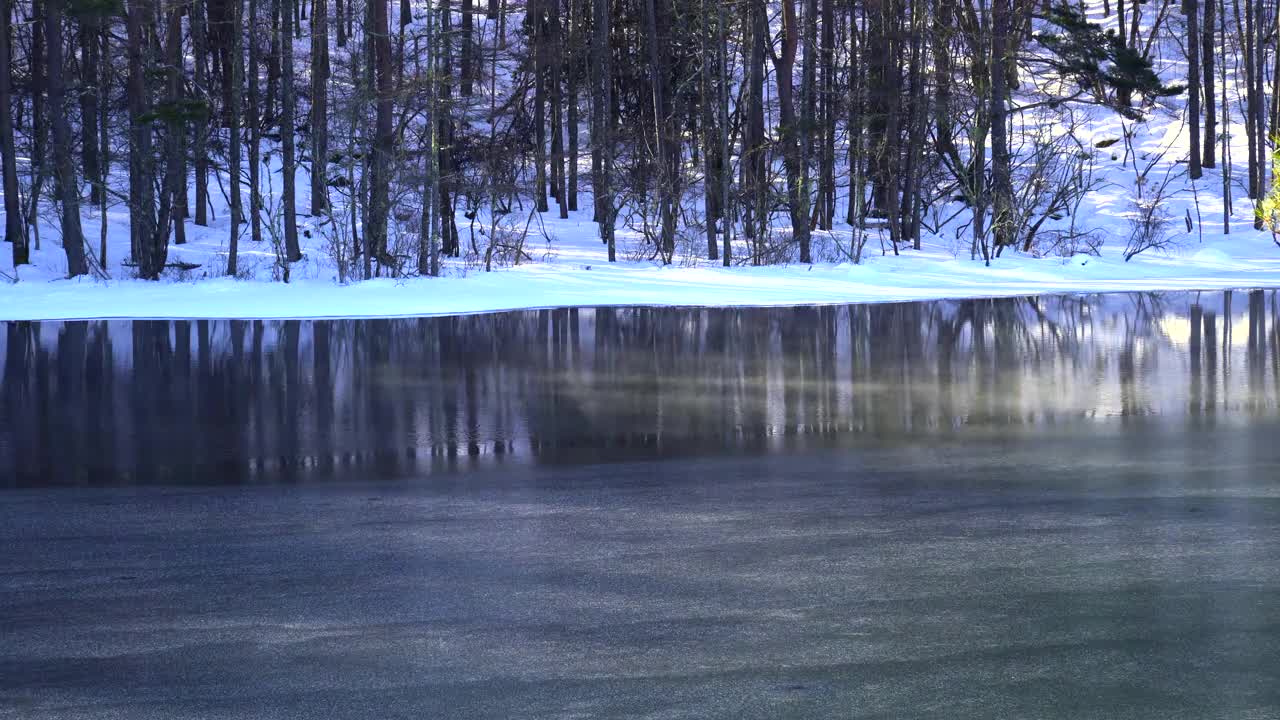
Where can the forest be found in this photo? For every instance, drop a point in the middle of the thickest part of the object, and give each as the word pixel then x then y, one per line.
pixel 391 139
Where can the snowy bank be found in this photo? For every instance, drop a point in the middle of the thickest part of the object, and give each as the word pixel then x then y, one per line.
pixel 1247 260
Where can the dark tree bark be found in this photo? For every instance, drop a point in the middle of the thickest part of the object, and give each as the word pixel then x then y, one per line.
pixel 1207 39
pixel 710 133
pixel 149 248
pixel 319 107
pixel 175 174
pixel 87 38
pixel 200 148
pixel 466 57
pixel 789 129
pixel 664 135
pixel 756 209
pixel 384 139
pixel 726 209
pixel 253 119
pixel 14 232
pixel 233 131
pixel 340 22
pixel 1001 181
pixel 67 185
pixel 39 131
pixel 288 126
pixel 602 115
pixel 448 222
pixel 572 76
pixel 538 34
pixel 824 212
pixel 1192 8
pixel 557 107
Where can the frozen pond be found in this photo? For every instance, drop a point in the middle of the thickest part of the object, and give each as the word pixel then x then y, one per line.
pixel 1023 508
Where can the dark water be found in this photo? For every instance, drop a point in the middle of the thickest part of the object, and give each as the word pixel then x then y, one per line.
pixel 1049 508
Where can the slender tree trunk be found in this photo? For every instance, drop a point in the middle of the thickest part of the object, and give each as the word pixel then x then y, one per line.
pixel 726 210
pixel 854 123
pixel 87 36
pixel 288 125
pixel 67 185
pixel 1259 106
pixel 1193 84
pixel 104 165
pixel 710 161
pixel 253 118
pixel 150 249
pixel 797 196
pixel 1249 115
pixel 37 60
pixel 557 107
pixel 233 134
pixel 571 102
pixel 14 232
pixel 808 121
pixel 756 216
pixel 663 135
pixel 376 221
pixel 340 24
pixel 1208 156
pixel 1001 182
pixel 200 149
pixel 538 32
pixel 175 173
pixel 432 218
pixel 448 220
pixel 466 57
pixel 602 135
pixel 827 133
pixel 319 107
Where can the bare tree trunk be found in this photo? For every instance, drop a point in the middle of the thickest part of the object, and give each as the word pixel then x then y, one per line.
pixel 756 216
pixel 825 211
pixel 175 174
pixel 726 210
pixel 1208 156
pixel 233 131
pixel 571 104
pixel 87 37
pixel 376 220
pixel 854 126
pixel 557 108
pixel 200 148
pixel 538 32
pixel 448 220
pixel 254 120
pixel 66 184
pixel 797 196
pixel 602 113
pixel 466 57
pixel 663 135
pixel 288 125
pixel 37 59
pixel 1193 85
pixel 1001 182
pixel 14 232
pixel 320 107
pixel 340 22
pixel 710 150
pixel 150 249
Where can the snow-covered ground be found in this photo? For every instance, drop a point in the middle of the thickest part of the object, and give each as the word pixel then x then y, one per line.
pixel 575 273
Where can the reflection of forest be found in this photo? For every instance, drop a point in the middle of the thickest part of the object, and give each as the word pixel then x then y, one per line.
pixel 217 401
